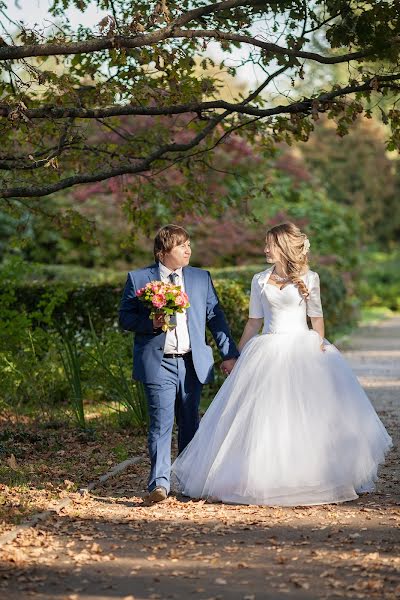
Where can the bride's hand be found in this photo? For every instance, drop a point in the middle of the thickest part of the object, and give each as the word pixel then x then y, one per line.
pixel 323 347
pixel 227 365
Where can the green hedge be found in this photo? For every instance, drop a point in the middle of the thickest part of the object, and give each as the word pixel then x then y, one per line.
pixel 380 284
pixel 71 304
pixel 59 305
pixel 31 371
pixel 341 310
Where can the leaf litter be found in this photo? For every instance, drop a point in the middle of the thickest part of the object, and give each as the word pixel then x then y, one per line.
pixel 182 547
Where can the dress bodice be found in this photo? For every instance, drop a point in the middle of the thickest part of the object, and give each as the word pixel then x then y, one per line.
pixel 284 310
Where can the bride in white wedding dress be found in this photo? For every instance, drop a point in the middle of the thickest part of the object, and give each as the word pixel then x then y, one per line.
pixel 291 425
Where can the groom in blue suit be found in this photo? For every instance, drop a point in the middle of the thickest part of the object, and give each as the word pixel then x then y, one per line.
pixel 173 366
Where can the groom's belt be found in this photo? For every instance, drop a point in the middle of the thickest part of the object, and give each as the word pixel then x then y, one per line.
pixel 177 355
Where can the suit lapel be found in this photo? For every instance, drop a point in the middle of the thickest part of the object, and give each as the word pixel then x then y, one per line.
pixel 188 283
pixel 154 272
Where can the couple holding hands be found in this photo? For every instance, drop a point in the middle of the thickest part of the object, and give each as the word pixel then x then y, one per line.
pixel 290 425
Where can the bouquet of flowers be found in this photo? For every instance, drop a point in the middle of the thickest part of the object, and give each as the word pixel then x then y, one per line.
pixel 163 299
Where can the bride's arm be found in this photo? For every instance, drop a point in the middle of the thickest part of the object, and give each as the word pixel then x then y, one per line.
pixel 314 308
pixel 319 326
pixel 251 329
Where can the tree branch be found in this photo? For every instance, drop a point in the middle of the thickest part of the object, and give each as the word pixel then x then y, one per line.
pixel 172 32
pixel 142 165
pixel 47 112
pixel 192 15
pixel 304 106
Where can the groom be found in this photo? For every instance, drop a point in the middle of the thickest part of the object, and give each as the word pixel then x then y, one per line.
pixel 173 366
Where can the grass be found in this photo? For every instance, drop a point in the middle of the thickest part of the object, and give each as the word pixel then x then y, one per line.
pixel 71 361
pixel 12 477
pixel 374 314
pixel 120 452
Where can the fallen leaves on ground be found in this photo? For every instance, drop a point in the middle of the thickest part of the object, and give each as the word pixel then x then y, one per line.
pixel 186 548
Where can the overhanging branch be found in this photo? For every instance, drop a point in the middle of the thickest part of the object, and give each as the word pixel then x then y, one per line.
pixel 172 32
pixel 48 112
pixel 304 107
pixel 139 167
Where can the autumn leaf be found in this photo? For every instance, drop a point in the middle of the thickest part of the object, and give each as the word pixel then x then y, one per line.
pixel 12 463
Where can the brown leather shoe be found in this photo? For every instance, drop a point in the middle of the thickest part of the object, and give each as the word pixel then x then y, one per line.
pixel 157 495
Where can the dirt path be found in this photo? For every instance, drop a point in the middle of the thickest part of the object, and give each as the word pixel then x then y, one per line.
pixel 111 545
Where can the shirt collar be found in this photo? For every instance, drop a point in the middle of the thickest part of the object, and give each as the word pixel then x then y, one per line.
pixel 165 272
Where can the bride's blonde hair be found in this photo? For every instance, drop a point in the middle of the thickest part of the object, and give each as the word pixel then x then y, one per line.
pixel 293 245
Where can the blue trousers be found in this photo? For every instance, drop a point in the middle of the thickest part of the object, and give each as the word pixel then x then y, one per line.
pixel 176 394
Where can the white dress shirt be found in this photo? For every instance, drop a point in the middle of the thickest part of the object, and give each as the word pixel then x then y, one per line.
pixel 177 340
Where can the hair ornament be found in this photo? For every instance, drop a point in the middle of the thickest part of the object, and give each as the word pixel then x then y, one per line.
pixel 306 246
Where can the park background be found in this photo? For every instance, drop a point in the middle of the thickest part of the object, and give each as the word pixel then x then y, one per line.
pixel 65 365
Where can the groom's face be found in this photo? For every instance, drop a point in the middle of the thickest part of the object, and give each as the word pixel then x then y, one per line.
pixel 178 257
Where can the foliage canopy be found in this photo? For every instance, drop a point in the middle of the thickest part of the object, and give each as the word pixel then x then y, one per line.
pixel 139 92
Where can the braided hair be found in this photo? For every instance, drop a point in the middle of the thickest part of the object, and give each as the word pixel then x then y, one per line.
pixel 293 246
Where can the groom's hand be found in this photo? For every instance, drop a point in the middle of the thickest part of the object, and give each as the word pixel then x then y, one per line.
pixel 227 365
pixel 158 321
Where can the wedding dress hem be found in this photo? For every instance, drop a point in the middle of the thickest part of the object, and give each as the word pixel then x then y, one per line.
pixel 278 501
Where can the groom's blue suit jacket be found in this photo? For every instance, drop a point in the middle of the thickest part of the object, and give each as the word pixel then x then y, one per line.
pixel 204 310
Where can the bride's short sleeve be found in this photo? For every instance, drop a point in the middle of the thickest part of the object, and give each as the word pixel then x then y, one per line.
pixel 314 306
pixel 255 306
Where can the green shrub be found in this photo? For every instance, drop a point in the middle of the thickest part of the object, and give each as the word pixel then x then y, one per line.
pixel 32 374
pixel 112 370
pixel 234 298
pixel 380 283
pixel 334 229
pixel 55 306
pixel 65 274
pixel 70 305
pixel 341 310
pixel 31 368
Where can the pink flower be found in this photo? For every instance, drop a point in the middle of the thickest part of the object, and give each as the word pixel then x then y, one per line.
pixel 140 292
pixel 158 300
pixel 181 299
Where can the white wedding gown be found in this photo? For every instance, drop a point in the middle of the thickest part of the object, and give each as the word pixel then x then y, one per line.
pixel 291 425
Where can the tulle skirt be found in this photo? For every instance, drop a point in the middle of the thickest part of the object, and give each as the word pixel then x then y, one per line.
pixel 290 426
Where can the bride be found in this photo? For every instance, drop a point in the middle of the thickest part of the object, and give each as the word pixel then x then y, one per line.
pixel 290 425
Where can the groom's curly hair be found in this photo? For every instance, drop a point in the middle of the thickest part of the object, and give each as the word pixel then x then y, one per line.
pixel 167 238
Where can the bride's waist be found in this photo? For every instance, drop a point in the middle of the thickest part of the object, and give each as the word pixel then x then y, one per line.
pixel 285 330
pixel 286 325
